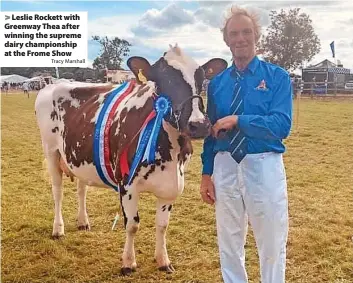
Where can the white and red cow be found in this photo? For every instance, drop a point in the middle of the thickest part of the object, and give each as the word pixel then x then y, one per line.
pixel 67 114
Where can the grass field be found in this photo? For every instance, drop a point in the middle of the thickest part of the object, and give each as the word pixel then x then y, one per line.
pixel 319 164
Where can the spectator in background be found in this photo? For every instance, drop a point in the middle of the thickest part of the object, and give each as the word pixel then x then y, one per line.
pixel 25 88
pixel 5 87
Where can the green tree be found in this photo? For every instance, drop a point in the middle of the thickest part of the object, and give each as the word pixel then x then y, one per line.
pixel 67 75
pixel 290 39
pixel 78 75
pixel 88 74
pixel 112 52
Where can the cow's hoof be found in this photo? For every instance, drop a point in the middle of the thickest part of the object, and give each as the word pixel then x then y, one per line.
pixel 57 236
pixel 167 268
pixel 126 271
pixel 84 227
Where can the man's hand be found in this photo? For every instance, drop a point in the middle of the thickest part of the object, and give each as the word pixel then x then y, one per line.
pixel 226 123
pixel 207 190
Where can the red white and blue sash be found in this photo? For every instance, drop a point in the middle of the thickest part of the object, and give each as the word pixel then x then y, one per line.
pixel 101 147
pixel 147 144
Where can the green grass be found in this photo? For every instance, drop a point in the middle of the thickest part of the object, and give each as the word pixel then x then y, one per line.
pixel 319 164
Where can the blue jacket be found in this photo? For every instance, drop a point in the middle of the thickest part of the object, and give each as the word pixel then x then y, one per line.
pixel 266 90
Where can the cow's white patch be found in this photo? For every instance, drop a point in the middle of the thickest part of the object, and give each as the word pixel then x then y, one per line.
pixel 196 114
pixel 88 173
pixel 75 103
pixel 178 60
pixel 187 161
pixel 158 155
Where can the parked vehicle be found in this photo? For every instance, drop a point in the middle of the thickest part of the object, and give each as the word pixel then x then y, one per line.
pixel 349 85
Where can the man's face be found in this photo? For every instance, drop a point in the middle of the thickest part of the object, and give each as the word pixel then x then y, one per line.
pixel 241 37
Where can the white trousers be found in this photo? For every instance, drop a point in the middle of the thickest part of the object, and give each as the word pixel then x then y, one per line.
pixel 256 191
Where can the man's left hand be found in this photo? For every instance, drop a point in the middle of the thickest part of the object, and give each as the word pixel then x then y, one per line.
pixel 226 123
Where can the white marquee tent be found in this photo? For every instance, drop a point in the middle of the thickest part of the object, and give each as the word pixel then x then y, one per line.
pixel 12 79
pixel 35 79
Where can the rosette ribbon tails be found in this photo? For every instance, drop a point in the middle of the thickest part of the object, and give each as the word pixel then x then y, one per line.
pixel 147 144
pixel 101 146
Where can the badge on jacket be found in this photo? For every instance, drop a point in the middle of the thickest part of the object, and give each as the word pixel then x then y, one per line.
pixel 262 86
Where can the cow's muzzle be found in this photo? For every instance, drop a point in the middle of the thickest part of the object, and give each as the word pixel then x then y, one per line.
pixel 199 130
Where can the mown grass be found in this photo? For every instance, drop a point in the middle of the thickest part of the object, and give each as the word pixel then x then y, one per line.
pixel 320 178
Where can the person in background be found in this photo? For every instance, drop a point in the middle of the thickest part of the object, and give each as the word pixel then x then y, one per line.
pixel 250 108
pixel 25 88
pixel 5 87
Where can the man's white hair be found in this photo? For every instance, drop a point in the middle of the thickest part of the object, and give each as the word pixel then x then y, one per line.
pixel 235 11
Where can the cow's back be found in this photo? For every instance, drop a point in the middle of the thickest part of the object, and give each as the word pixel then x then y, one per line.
pixel 65 115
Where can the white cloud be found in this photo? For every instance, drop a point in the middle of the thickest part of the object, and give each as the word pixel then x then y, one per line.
pixel 172 16
pixel 119 26
pixel 198 31
pixel 89 63
pixel 333 25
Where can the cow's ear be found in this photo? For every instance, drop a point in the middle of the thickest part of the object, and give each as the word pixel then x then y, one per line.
pixel 214 67
pixel 141 68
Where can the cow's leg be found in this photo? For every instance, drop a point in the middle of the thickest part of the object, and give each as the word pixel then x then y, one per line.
pixel 129 205
pixel 82 218
pixel 162 221
pixel 57 191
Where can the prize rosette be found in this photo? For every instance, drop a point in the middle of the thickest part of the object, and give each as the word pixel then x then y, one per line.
pixel 146 147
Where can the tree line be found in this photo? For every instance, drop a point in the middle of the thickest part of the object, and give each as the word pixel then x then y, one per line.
pixel 289 41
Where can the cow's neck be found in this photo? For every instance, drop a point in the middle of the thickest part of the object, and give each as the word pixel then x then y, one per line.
pixel 128 121
pixel 181 143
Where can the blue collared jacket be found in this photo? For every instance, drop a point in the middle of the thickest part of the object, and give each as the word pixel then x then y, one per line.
pixel 266 90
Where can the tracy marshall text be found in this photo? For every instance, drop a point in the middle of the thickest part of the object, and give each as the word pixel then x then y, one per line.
pixel 69 61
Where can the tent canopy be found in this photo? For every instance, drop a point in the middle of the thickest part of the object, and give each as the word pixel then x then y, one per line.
pixel 327 66
pixel 12 79
pixel 35 79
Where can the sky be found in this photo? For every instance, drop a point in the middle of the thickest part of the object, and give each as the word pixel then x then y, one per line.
pixel 151 26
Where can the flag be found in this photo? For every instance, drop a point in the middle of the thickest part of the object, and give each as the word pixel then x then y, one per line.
pixel 332 45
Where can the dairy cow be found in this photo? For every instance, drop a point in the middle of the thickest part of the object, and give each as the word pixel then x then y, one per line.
pixel 67 116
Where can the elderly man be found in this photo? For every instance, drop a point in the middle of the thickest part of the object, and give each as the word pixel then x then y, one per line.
pixel 250 107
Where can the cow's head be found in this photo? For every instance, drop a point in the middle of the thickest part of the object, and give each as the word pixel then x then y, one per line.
pixel 180 78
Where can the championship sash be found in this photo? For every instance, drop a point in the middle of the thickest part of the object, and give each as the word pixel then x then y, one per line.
pixel 148 135
pixel 101 147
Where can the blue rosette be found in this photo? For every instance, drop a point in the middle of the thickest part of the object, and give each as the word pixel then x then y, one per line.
pixel 162 106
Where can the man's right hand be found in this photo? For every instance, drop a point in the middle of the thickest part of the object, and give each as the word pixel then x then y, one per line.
pixel 207 189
